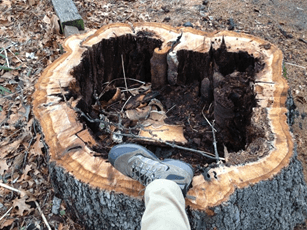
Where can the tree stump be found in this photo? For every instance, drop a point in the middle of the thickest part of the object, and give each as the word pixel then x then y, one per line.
pixel 258 185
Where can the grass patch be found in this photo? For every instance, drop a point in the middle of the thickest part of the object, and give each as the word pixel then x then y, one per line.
pixel 4 90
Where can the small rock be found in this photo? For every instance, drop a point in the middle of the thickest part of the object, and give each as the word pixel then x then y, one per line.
pixel 56 205
pixel 188 24
pixel 205 2
pixel 231 24
pixel 211 18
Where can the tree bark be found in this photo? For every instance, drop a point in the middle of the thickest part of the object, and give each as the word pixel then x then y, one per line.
pixel 267 193
pixel 279 203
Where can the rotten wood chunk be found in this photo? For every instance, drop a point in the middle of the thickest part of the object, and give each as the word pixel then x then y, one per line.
pixel 158 66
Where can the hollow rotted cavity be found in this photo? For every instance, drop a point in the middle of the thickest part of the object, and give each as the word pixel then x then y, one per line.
pixel 190 86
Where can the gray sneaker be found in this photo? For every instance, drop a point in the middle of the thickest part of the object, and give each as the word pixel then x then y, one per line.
pixel 142 165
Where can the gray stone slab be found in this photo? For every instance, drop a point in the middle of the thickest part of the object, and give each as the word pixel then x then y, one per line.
pixel 70 30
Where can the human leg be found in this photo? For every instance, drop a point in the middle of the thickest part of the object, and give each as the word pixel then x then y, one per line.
pixel 165 207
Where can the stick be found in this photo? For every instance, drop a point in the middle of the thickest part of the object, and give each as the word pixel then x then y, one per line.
pixel 124 72
pixel 42 214
pixel 5 214
pixel 302 40
pixel 214 144
pixel 10 188
pixel 213 134
pixel 164 115
pixel 191 125
pixel 15 55
pixel 202 111
pixel 108 83
pixel 125 104
pixel 295 65
pixel 173 145
pixel 7 60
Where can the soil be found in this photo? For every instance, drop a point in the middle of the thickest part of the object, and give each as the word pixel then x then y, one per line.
pixel 30 30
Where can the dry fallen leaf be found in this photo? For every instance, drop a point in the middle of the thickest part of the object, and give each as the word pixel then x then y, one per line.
pixel 11 147
pixel 25 176
pixel 46 19
pixel 31 2
pixel 7 223
pixel 8 75
pixel 20 203
pixel 3 166
pixel 55 24
pixel 36 150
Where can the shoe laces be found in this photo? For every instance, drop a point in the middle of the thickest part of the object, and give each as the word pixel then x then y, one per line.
pixel 145 169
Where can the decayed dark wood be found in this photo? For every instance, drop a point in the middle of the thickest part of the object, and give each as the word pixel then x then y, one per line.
pixel 159 67
pixel 269 193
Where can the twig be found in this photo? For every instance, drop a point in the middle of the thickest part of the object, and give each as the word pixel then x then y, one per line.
pixel 302 40
pixel 15 55
pixel 127 78
pixel 214 144
pixel 5 214
pixel 295 65
pixel 6 58
pixel 42 214
pixel 121 78
pixel 213 134
pixel 164 115
pixel 10 188
pixel 202 111
pixel 191 125
pixel 173 145
pixel 170 109
pixel 125 104
pixel 124 72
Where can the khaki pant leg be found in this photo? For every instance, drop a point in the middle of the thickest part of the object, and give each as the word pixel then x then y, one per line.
pixel 165 207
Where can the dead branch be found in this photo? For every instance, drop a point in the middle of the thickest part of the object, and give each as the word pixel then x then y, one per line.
pixel 124 72
pixel 213 134
pixel 125 104
pixel 6 58
pixel 295 65
pixel 214 144
pixel 42 214
pixel 5 214
pixel 173 145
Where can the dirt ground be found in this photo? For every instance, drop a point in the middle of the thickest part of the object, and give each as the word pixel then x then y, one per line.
pixel 30 40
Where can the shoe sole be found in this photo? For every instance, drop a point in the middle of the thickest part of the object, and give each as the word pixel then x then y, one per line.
pixel 121 149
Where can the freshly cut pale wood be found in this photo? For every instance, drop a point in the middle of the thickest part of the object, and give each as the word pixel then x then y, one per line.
pixel 73 159
pixel 171 133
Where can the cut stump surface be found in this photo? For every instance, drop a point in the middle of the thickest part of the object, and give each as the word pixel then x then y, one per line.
pixel 267 193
